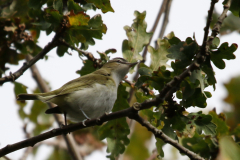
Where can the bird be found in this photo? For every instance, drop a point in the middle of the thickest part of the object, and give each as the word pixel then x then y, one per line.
pixel 87 97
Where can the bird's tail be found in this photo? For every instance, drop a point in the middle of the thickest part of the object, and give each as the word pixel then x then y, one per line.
pixel 44 97
pixel 25 96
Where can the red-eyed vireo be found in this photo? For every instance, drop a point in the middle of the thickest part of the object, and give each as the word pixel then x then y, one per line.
pixel 89 96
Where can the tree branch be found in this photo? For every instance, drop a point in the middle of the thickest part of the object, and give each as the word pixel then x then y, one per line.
pixel 165 138
pixel 217 26
pixel 129 112
pixel 13 76
pixel 165 20
pixel 70 142
pixel 154 155
pixel 85 53
pixel 204 48
pixel 132 112
pixel 162 9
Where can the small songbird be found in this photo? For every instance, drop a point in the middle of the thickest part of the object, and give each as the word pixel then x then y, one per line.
pixel 86 97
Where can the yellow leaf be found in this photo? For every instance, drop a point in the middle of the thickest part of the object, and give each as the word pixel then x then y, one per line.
pixel 79 19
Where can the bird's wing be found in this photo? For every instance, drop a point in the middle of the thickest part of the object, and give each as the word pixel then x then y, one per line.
pixel 80 83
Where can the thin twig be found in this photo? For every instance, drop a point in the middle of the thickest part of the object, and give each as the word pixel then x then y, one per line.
pixel 162 9
pixel 13 76
pixel 166 18
pixel 89 55
pixel 130 112
pixel 154 155
pixel 88 123
pixel 204 48
pixel 217 26
pixel 70 142
pixel 144 88
pixel 165 138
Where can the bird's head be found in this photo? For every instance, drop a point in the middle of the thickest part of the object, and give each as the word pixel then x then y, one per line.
pixel 118 67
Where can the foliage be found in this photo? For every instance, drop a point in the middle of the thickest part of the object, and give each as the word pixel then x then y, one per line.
pixel 207 134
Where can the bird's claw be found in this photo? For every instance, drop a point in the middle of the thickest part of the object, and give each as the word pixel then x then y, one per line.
pixel 83 122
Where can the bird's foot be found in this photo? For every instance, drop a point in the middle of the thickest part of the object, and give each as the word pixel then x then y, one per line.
pixel 85 115
pixel 83 122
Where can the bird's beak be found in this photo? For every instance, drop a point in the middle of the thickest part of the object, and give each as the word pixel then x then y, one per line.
pixel 132 64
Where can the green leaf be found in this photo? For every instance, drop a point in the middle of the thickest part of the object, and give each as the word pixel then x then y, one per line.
pixel 215 43
pixel 112 50
pixel 229 150
pixel 236 133
pixel 20 88
pixel 59 154
pixel 121 102
pixel 61 50
pixel 197 75
pixel 177 122
pixel 53 17
pixel 207 68
pixel 74 6
pixel 158 79
pixel 145 71
pixel 104 56
pixel 198 144
pixel 28 47
pixel 222 128
pixel 15 9
pixel 174 40
pixel 87 68
pixel 58 5
pixel 233 88
pixel 195 98
pixel 159 55
pixel 203 123
pixel 116 132
pixel 35 4
pixel 159 145
pixel 89 6
pixel 230 24
pixel 137 38
pixel 38 117
pixel 168 130
pixel 104 5
pixel 183 52
pixel 85 34
pixel 138 149
pixel 142 97
pixel 223 52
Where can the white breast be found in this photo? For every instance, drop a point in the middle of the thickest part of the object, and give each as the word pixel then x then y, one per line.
pixel 93 101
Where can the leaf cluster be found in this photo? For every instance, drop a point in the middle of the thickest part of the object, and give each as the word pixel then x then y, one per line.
pixel 22 22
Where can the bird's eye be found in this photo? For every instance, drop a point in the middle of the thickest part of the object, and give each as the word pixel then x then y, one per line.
pixel 119 61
